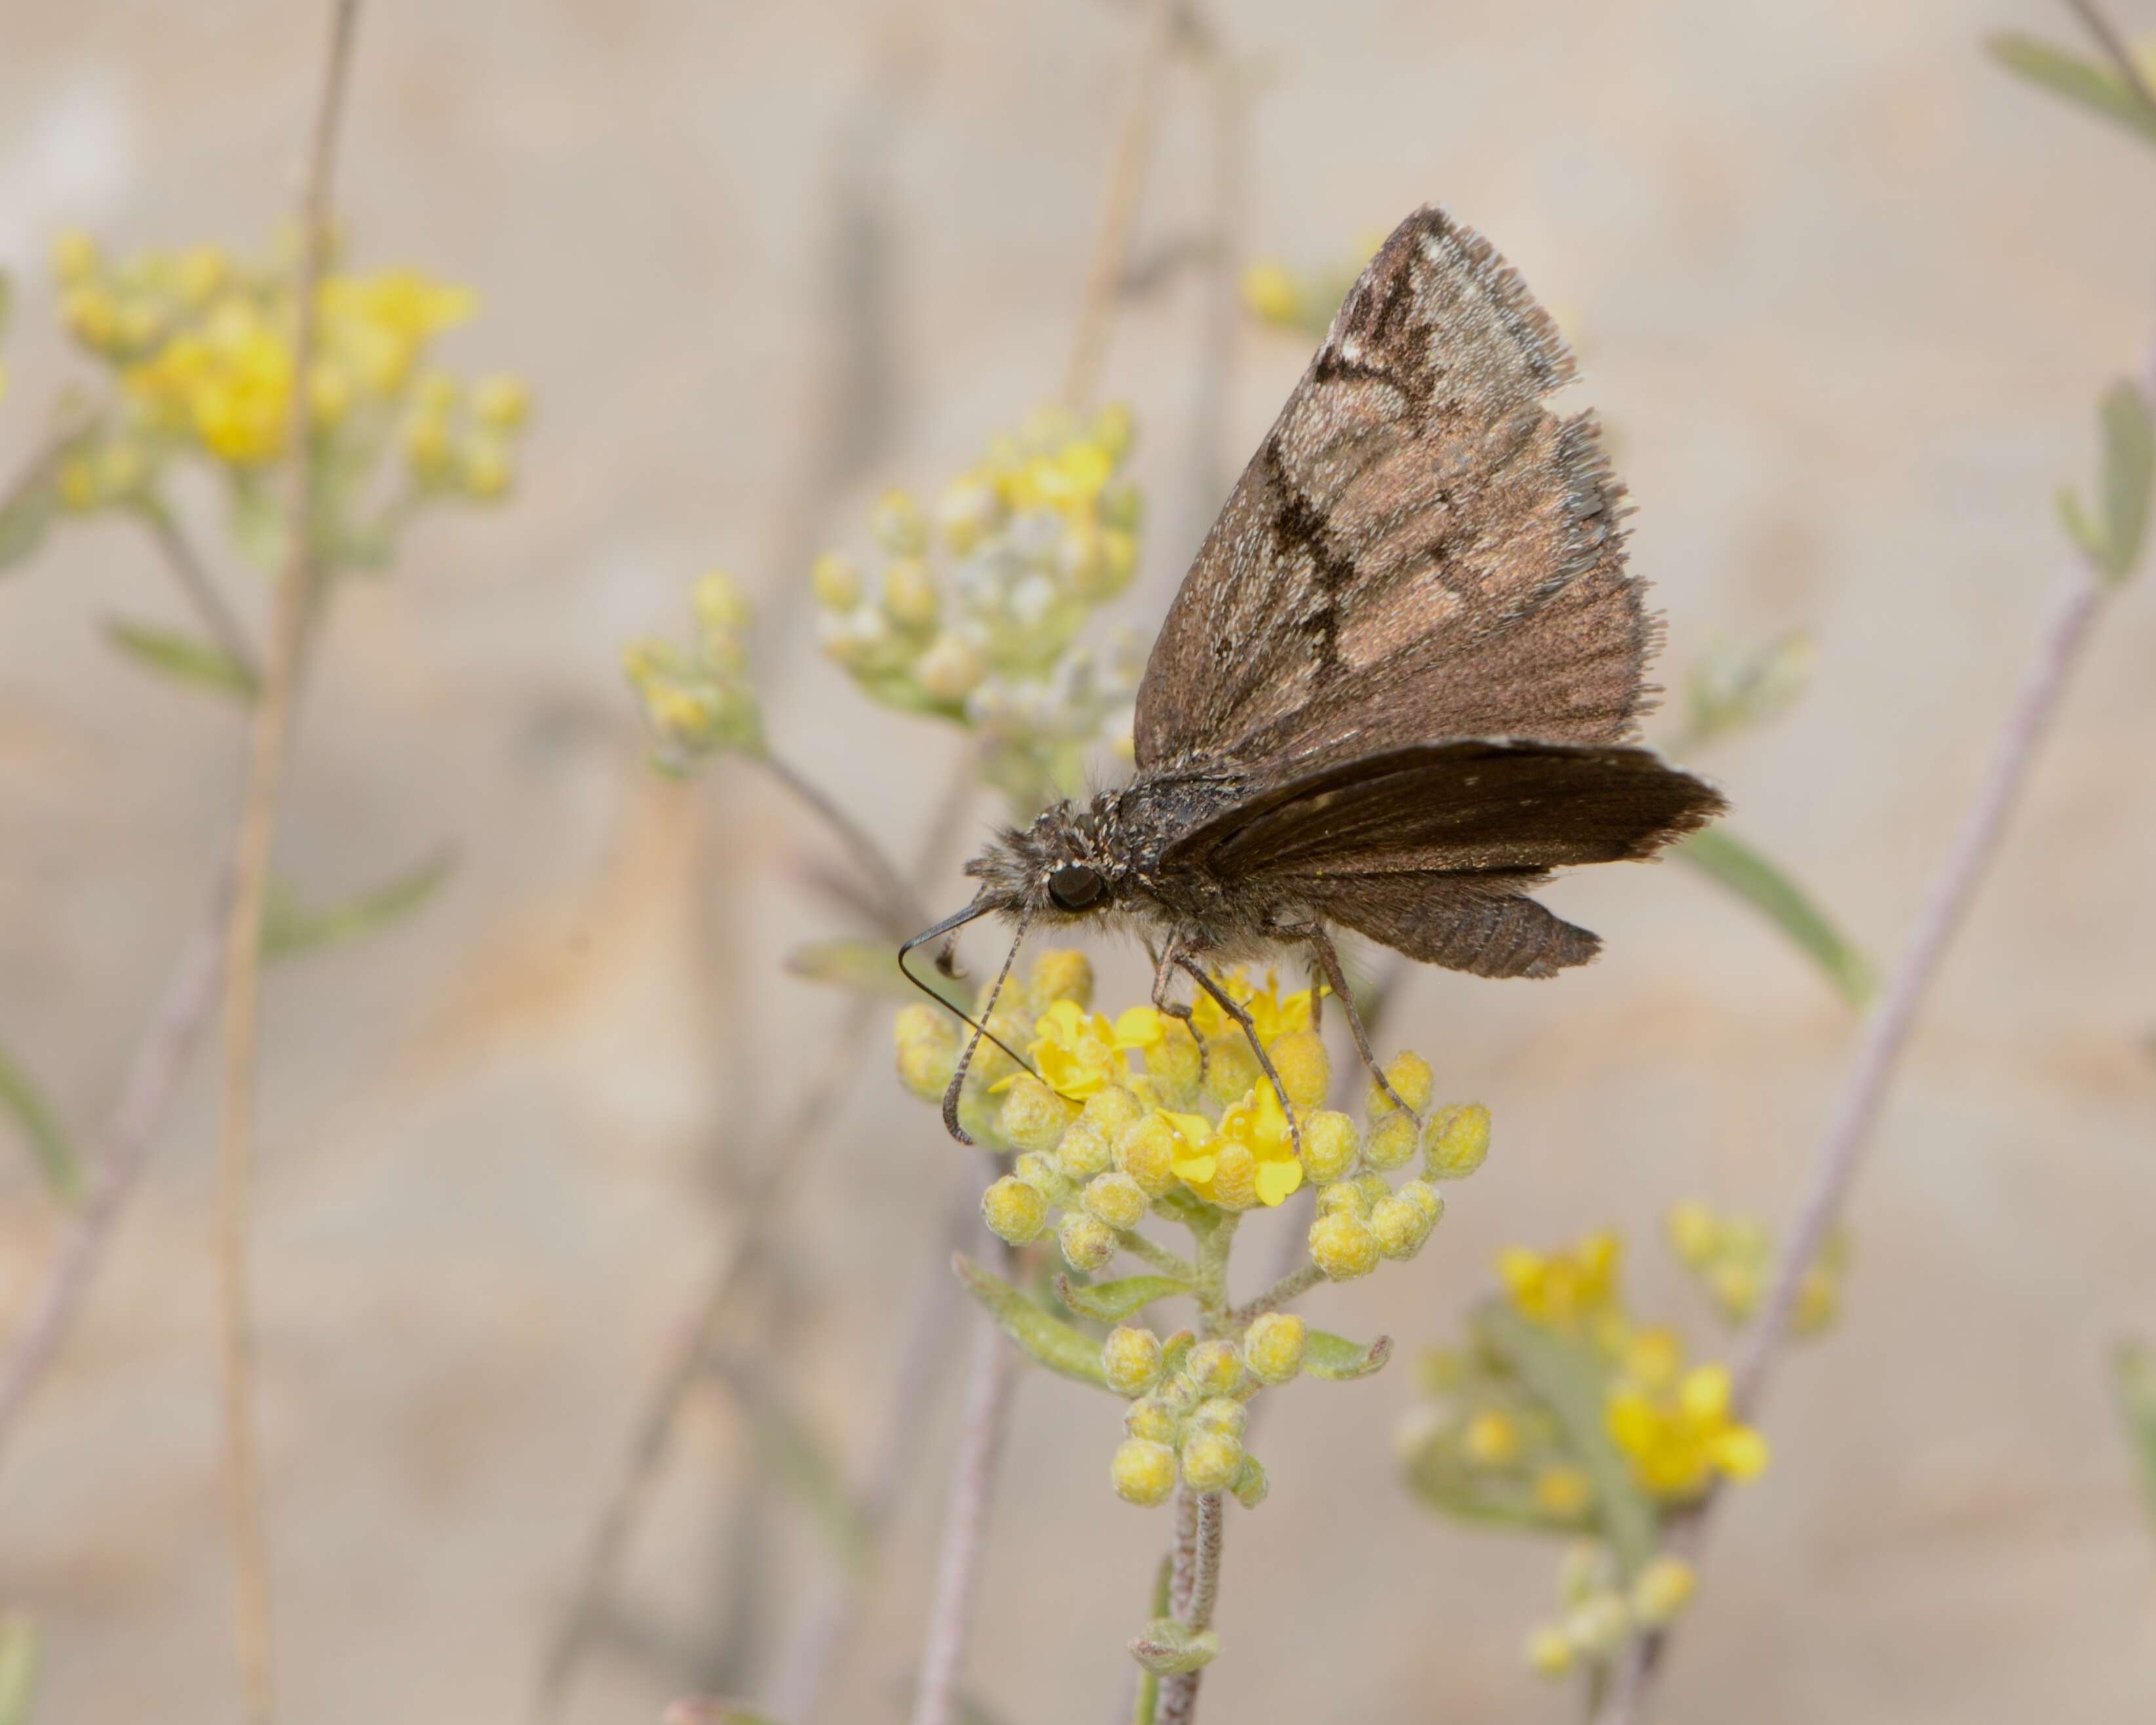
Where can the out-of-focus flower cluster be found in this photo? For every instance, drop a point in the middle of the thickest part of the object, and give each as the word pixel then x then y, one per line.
pixel 200 344
pixel 1734 686
pixel 1567 1413
pixel 697 696
pixel 1733 1259
pixel 1198 1137
pixel 974 610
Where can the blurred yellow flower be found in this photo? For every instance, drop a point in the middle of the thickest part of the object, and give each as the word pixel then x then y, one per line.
pixel 1563 1287
pixel 1676 1443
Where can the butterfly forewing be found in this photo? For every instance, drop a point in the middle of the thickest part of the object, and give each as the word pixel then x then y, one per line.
pixel 1420 550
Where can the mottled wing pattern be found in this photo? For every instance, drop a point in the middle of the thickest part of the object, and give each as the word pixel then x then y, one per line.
pixel 1420 549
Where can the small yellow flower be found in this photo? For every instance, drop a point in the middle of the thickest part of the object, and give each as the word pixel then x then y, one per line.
pixel 1256 1126
pixel 1330 1146
pixel 1563 1491
pixel 1130 1358
pixel 1342 1246
pixel 1653 1357
pixel 1079 1053
pixel 1563 1288
pixel 1274 1345
pixel 1492 1439
pixel 1304 1068
pixel 74 257
pixel 1014 1210
pixel 1456 1142
pixel 503 402
pixel 1676 1443
pixel 1274 1016
pixel 1087 1242
pixel 1211 1459
pixel 1149 1148
pixel 1548 1650
pixel 1661 1591
pixel 1116 1199
pixel 1270 292
pixel 1143 1471
pixel 1409 1076
pixel 484 469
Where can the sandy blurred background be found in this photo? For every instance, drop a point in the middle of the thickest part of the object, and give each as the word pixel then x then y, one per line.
pixel 1847 295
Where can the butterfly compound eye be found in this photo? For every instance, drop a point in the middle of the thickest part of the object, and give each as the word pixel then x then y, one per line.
pixel 1073 886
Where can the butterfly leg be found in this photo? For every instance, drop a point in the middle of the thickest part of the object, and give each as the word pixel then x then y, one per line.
pixel 1234 1010
pixel 1328 961
pixel 1164 964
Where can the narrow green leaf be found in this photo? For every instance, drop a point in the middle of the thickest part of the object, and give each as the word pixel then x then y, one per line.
pixel 1738 868
pixel 42 1129
pixel 1571 1384
pixel 2129 462
pixel 18 1669
pixel 2133 1381
pixel 1111 1302
pixel 793 1456
pixel 2084 532
pixel 181 658
pixel 1148 1697
pixel 1165 1646
pixel 1046 1337
pixel 1335 1357
pixel 972 1710
pixel 869 967
pixel 2084 83
pixel 24 522
pixel 290 929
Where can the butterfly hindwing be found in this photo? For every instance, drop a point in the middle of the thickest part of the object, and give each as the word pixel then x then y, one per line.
pixel 1419 550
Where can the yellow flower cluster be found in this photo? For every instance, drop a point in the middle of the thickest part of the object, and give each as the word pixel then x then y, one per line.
pixel 698 698
pixel 1141 1118
pixel 201 344
pixel 1600 1613
pixel 1679 1437
pixel 1733 1259
pixel 975 613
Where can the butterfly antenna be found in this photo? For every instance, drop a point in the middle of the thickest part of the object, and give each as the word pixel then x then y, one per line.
pixel 949 925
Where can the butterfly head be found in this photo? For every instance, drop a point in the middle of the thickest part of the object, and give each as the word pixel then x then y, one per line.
pixel 1063 867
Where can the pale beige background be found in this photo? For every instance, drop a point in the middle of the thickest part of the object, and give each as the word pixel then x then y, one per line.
pixel 1847 295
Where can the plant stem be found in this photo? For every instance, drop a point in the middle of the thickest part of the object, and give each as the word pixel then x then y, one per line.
pixel 1211 1288
pixel 1151 1251
pixel 965 1524
pixel 901 914
pixel 269 734
pixel 1848 1135
pixel 1292 1287
pixel 2116 49
pixel 200 590
pixel 1199 1524
pixel 151 1080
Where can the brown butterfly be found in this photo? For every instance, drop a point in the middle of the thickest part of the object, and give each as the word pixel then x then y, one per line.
pixel 1398 687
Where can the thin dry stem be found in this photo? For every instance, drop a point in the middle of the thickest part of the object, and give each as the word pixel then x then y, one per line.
pixel 153 1079
pixel 965 1524
pixel 1192 1593
pixel 269 734
pixel 2116 49
pixel 200 590
pixel 900 913
pixel 1119 209
pixel 1840 1156
pixel 1293 1286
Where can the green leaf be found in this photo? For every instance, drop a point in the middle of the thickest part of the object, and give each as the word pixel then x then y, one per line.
pixel 2133 1381
pixel 1148 1697
pixel 2130 461
pixel 1046 1337
pixel 24 522
pixel 18 1669
pixel 1164 1647
pixel 1335 1357
pixel 42 1130
pixel 869 967
pixel 2083 531
pixel 1111 1302
pixel 181 658
pixel 1736 866
pixel 290 928
pixel 2085 83
pixel 1571 1383
pixel 791 1455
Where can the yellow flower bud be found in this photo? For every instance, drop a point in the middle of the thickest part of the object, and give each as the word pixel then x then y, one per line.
pixel 1144 1471
pixel 950 668
pixel 1409 1075
pixel 93 314
pixel 1818 1300
pixel 910 597
pixel 501 402
pixel 328 394
pixel 1131 1358
pixel 1270 293
pixel 1695 1234
pixel 1563 1491
pixel 721 606
pixel 1398 1226
pixel 1014 1210
pixel 1060 973
pixel 485 469
pixel 1220 1413
pixel 1081 1152
pixel 434 395
pixel 897 526
pixel 77 484
pixel 75 257
pixel 1427 1198
pixel 1549 1651
pixel 1147 1152
pixel 1116 1199
pixel 1235 1175
pixel 835 581
pixel 1273 1347
pixel 1214 1367
pixel 199 272
pixel 1661 1591
pixel 1597 1625
pixel 427 451
pixel 1344 1198
pixel 1154 1417
pixel 969 508
pixel 1492 1438
pixel 1305 1068
pixel 1736 1287
pixel 1114 1111
pixel 1343 1247
pixel 1174 1060
pixel 1392 1140
pixel 1113 429
pixel 1211 1459
pixel 1456 1142
pixel 1039 1172
pixel 1330 1146
pixel 1034 1116
pixel 1087 1242
pixel 1231 1070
